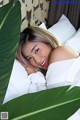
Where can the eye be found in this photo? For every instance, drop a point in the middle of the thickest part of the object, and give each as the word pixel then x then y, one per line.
pixel 29 59
pixel 37 50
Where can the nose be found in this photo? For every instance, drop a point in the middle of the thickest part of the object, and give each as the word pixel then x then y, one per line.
pixel 37 59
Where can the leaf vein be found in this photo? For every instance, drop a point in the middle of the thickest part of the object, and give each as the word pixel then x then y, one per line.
pixel 44 109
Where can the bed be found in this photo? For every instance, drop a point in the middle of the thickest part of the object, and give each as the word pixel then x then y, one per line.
pixel 67 35
pixel 68 32
pixel 57 12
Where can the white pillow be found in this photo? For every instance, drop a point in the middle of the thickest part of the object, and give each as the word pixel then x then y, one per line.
pixel 63 29
pixel 74 42
pixel 18 84
pixel 43 26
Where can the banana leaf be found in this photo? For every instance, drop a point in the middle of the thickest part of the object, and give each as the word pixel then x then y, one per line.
pixel 52 104
pixel 10 21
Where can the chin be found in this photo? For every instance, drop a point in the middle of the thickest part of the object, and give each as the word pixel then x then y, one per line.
pixel 44 68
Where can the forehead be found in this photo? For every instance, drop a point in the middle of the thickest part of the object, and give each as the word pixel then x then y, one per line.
pixel 26 49
pixel 29 45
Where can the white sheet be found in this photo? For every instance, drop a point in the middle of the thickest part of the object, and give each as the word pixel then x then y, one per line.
pixel 63 73
pixel 20 83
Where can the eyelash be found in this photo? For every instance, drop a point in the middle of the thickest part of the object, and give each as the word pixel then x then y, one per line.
pixel 29 58
pixel 35 53
pixel 36 50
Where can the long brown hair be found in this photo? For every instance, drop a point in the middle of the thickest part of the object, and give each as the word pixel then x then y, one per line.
pixel 35 34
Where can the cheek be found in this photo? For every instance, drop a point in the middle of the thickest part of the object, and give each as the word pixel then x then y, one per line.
pixel 33 63
pixel 46 52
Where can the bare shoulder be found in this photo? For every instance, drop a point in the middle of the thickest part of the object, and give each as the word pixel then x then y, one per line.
pixel 62 53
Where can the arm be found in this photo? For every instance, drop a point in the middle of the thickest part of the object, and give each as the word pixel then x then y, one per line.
pixel 37 82
pixel 62 53
pixel 21 83
pixel 36 79
pixel 29 68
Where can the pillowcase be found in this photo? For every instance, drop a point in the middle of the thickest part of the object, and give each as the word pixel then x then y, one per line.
pixel 74 42
pixel 63 29
pixel 43 26
pixel 18 82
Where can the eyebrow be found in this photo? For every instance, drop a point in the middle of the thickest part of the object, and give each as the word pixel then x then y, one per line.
pixel 33 48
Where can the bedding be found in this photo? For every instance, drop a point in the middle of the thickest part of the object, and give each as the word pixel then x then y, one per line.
pixel 43 26
pixel 63 29
pixel 72 12
pixel 21 83
pixel 74 42
pixel 64 73
pixel 23 75
pixel 71 75
pixel 75 116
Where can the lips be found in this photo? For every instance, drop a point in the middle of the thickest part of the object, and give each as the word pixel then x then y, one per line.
pixel 43 64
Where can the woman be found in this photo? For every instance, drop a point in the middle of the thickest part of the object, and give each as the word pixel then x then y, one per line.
pixel 39 49
pixel 32 37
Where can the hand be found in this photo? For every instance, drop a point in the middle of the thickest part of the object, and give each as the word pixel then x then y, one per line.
pixel 30 70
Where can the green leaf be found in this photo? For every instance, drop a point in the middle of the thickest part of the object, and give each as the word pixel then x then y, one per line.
pixel 52 104
pixel 10 21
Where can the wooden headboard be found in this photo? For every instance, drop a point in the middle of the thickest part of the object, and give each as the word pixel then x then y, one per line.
pixel 71 9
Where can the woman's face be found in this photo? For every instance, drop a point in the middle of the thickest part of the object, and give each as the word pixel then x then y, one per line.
pixel 37 53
